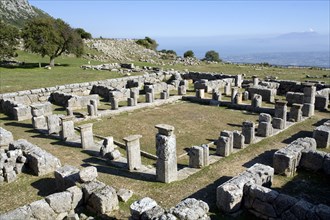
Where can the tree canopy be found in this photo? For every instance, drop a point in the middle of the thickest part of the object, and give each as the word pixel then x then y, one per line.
pixel 188 53
pixel 148 43
pixel 83 34
pixel 9 36
pixel 212 56
pixel 51 37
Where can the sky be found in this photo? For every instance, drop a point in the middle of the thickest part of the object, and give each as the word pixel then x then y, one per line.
pixel 165 18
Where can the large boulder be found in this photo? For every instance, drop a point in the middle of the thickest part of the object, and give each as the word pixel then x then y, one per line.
pixel 103 200
pixel 88 174
pixel 191 209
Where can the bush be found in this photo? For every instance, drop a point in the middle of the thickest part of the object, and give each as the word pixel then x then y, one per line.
pixel 188 53
pixel 212 56
pixel 9 36
pixel 83 33
pixel 148 43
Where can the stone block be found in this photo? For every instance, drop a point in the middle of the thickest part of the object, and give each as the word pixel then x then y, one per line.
pixel 138 207
pixel 239 140
pixel 312 160
pixel 66 177
pixel 191 208
pixel 196 157
pixel 326 164
pixel 295 113
pixel 307 110
pixel 90 187
pixel 124 194
pixel 103 201
pixel 321 102
pixel 54 124
pixel 248 130
pixel 322 136
pixel 278 123
pixel 39 123
pixel 88 174
pixel 156 212
pixel 223 146
pixel 23 212
pixel 265 129
pixel 133 152
pixel 86 134
pixel 60 202
pixel 77 196
pixel 5 138
pixel 41 210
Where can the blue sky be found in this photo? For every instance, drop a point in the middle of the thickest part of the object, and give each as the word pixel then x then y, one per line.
pixel 135 19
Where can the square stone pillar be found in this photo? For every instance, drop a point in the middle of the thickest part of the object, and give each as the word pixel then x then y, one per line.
pixel 278 123
pixel 164 95
pixel 91 110
pixel 114 103
pixel 133 152
pixel 256 101
pixel 265 127
pixel 255 80
pixel 248 132
pixel 238 80
pixel 206 154
pixel 308 109
pixel 54 124
pixel 69 111
pixel 216 95
pixel 281 109
pixel 223 146
pixel 230 135
pixel 182 90
pixel 86 134
pixel 196 157
pixel 238 140
pixel 149 97
pixel 200 93
pixel 234 91
pixel 166 166
pixel 227 89
pixel 67 128
pixel 295 112
pixel 309 94
pixel 245 95
pixel 94 104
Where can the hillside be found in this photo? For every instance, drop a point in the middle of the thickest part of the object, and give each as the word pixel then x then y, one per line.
pixel 16 12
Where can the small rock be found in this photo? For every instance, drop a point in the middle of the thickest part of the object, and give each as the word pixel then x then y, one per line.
pixel 124 194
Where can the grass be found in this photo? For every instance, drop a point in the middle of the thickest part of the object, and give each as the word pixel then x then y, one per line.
pixel 194 124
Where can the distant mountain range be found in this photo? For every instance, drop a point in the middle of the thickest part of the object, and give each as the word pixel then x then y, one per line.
pixel 16 12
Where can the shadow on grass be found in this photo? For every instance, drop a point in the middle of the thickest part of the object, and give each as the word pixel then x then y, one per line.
pixel 20 124
pixel 321 122
pixel 45 186
pixel 265 158
pixel 300 134
pixel 122 171
pixel 307 185
pixel 30 65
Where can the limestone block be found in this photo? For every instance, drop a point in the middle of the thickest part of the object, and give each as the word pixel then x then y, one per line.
pixel 40 122
pixel 66 177
pixel 278 123
pixel 321 102
pixel 138 207
pixel 88 174
pixel 223 146
pixel 230 135
pixel 156 212
pixel 265 129
pixel 10 176
pixel 133 152
pixel 239 140
pixel 149 98
pixel 206 154
pixel 322 136
pixel 23 212
pixel 5 138
pixel 60 202
pixel 77 196
pixel 191 208
pixel 182 90
pixel 124 194
pixel 54 124
pixel 264 117
pixel 86 134
pixel 248 132
pixel 256 101
pixel 68 132
pixel 308 110
pixel 90 187
pixel 295 113
pixel 326 164
pixel 103 200
pixel 107 146
pixel 41 210
pixel 196 157
pixel 312 160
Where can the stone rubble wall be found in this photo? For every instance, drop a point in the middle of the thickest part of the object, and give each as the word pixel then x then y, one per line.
pixel 314 160
pixel 12 162
pixel 196 76
pixel 295 86
pixel 38 160
pixel 322 135
pixel 267 94
pixel 212 84
pixel 294 97
pixel 5 138
pixel 188 209
pixel 266 203
pixel 230 194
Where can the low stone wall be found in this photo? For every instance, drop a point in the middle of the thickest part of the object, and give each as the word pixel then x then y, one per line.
pixel 314 160
pixel 12 162
pixel 287 159
pixel 38 160
pixel 266 203
pixel 295 86
pixel 267 94
pixel 209 85
pixel 72 101
pixel 230 194
pixel 6 137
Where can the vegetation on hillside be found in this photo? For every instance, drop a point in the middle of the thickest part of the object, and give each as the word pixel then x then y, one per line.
pixel 50 37
pixel 8 40
pixel 168 54
pixel 189 53
pixel 83 34
pixel 212 56
pixel 148 43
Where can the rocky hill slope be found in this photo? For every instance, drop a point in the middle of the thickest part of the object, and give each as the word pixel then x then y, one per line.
pixel 16 12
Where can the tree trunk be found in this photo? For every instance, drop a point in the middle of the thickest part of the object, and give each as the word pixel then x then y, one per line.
pixel 52 61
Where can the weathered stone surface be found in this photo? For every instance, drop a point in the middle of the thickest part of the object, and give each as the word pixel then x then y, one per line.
pixel 124 194
pixel 295 113
pixel 153 213
pixel 77 196
pixel 90 187
pixel 54 124
pixel 103 200
pixel 40 123
pixel 23 212
pixel 196 157
pixel 286 159
pixel 278 123
pixel 312 160
pixel 107 146
pixel 323 211
pixel 113 155
pixel 191 209
pixel 5 138
pixel 265 129
pixel 283 202
pixel 86 134
pixel 326 164
pixel 68 132
pixel 133 152
pixel 60 202
pixel 88 174
pixel 223 146
pixel 138 207
pixel 308 109
pixel 248 132
pixel 322 136
pixel 66 177
pixel 41 210
pixel 239 140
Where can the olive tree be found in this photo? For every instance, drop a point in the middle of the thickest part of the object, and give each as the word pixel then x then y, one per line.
pixel 51 37
pixel 9 36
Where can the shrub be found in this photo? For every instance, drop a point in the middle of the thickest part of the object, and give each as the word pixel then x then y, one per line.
pixel 148 43
pixel 212 56
pixel 188 53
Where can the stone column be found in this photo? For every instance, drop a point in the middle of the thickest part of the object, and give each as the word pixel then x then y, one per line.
pixel 196 157
pixel 86 134
pixel 238 98
pixel 39 121
pixel 91 110
pixel 94 104
pixel 54 124
pixel 69 111
pixel 200 93
pixel 131 102
pixel 238 80
pixel 114 103
pixel 234 91
pixel 230 135
pixel 256 101
pixel 182 90
pixel 149 97
pixel 107 146
pixel 308 109
pixel 238 140
pixel 134 94
pixel 246 95
pixel 279 120
pixel 265 128
pixel 216 95
pixel 223 146
pixel 67 133
pixel 295 112
pixel 133 152
pixel 248 132
pixel 166 166
pixel 227 89
pixel 206 154
pixel 309 100
pixel 163 95
pixel 255 80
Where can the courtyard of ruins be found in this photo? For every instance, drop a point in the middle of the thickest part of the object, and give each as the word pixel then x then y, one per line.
pixel 170 135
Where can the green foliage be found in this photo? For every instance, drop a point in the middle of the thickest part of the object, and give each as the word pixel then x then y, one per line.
pixel 8 40
pixel 188 53
pixel 168 54
pixel 50 37
pixel 83 34
pixel 148 43
pixel 212 56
